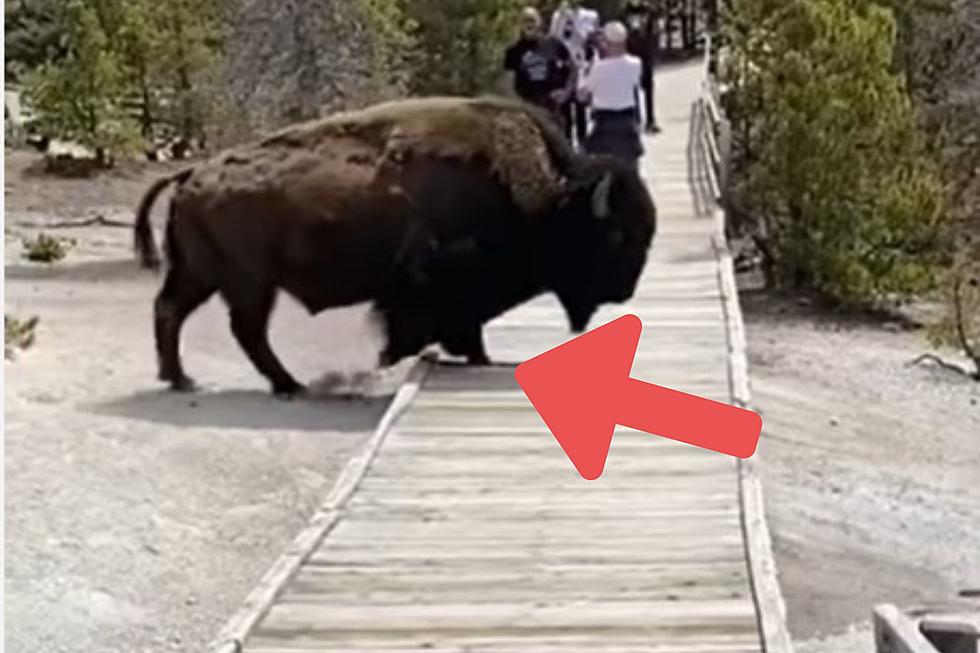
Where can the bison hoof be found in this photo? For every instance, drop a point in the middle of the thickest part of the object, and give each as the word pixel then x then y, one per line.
pixel 388 359
pixel 478 360
pixel 288 391
pixel 183 384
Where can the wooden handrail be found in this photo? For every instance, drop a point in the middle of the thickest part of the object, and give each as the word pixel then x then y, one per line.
pixel 714 131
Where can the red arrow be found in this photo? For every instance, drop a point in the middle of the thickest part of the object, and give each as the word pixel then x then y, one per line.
pixel 582 390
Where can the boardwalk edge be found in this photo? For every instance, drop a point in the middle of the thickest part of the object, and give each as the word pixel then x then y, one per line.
pixel 763 575
pixel 232 637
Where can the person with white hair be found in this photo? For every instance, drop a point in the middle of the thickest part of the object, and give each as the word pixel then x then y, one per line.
pixel 612 87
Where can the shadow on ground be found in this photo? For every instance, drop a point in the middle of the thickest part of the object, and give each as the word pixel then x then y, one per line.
pixel 102 270
pixel 498 376
pixel 248 410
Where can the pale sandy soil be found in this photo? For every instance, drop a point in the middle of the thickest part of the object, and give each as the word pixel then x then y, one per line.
pixel 137 520
pixel 870 469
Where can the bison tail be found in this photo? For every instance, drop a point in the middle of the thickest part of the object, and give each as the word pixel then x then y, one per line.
pixel 145 245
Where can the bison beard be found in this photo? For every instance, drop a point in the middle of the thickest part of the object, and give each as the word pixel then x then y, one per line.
pixel 414 206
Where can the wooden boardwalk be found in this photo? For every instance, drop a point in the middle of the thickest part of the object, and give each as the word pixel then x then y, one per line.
pixel 465 528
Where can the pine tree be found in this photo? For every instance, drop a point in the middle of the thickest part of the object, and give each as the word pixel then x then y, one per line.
pixel 189 40
pixel 33 35
pixel 139 43
pixel 78 96
pixel 834 162
pixel 460 43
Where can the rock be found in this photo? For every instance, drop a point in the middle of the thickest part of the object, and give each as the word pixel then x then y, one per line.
pixel 278 70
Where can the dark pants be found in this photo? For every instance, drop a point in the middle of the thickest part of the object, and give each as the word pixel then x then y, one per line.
pixel 575 120
pixel 646 83
pixel 616 133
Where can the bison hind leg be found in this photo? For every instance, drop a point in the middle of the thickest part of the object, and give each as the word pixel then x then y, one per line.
pixel 181 294
pixel 250 324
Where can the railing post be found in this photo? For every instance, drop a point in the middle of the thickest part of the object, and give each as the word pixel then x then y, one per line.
pixel 725 152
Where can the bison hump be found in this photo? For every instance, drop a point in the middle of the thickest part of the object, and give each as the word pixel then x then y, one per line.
pixel 503 134
pixel 522 161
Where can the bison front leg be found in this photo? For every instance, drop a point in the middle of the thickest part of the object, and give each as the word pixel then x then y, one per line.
pixel 406 334
pixel 250 324
pixel 467 341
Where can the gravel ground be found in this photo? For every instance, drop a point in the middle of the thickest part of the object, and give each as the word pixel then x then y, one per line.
pixel 137 520
pixel 870 469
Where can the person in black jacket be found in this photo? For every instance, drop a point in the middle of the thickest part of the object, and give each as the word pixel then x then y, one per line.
pixel 542 66
pixel 643 42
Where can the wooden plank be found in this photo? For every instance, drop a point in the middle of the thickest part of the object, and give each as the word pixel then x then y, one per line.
pixel 677 642
pixel 263 595
pixel 654 459
pixel 484 555
pixel 669 578
pixel 653 617
pixel 603 646
pixel 325 592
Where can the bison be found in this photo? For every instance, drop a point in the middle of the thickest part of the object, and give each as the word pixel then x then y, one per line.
pixel 443 212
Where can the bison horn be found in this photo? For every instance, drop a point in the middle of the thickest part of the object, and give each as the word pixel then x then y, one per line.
pixel 600 197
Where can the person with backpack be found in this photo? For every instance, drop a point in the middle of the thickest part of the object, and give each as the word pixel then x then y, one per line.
pixel 543 72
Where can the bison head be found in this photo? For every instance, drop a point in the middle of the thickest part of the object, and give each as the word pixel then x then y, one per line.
pixel 601 237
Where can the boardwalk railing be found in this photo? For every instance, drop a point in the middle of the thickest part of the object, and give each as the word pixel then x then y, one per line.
pixel 711 146
pixel 712 133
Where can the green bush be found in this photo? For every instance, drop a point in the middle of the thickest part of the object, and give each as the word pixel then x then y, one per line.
pixel 17 334
pixel 123 69
pixel 77 97
pixel 47 249
pixel 832 163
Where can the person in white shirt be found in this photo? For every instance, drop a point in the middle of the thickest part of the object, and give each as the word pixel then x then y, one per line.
pixel 612 87
pixel 575 26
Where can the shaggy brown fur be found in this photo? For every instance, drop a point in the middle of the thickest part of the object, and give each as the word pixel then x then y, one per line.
pixel 363 152
pixel 504 133
pixel 358 206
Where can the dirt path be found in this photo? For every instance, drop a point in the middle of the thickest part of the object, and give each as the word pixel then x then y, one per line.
pixel 137 520
pixel 870 469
